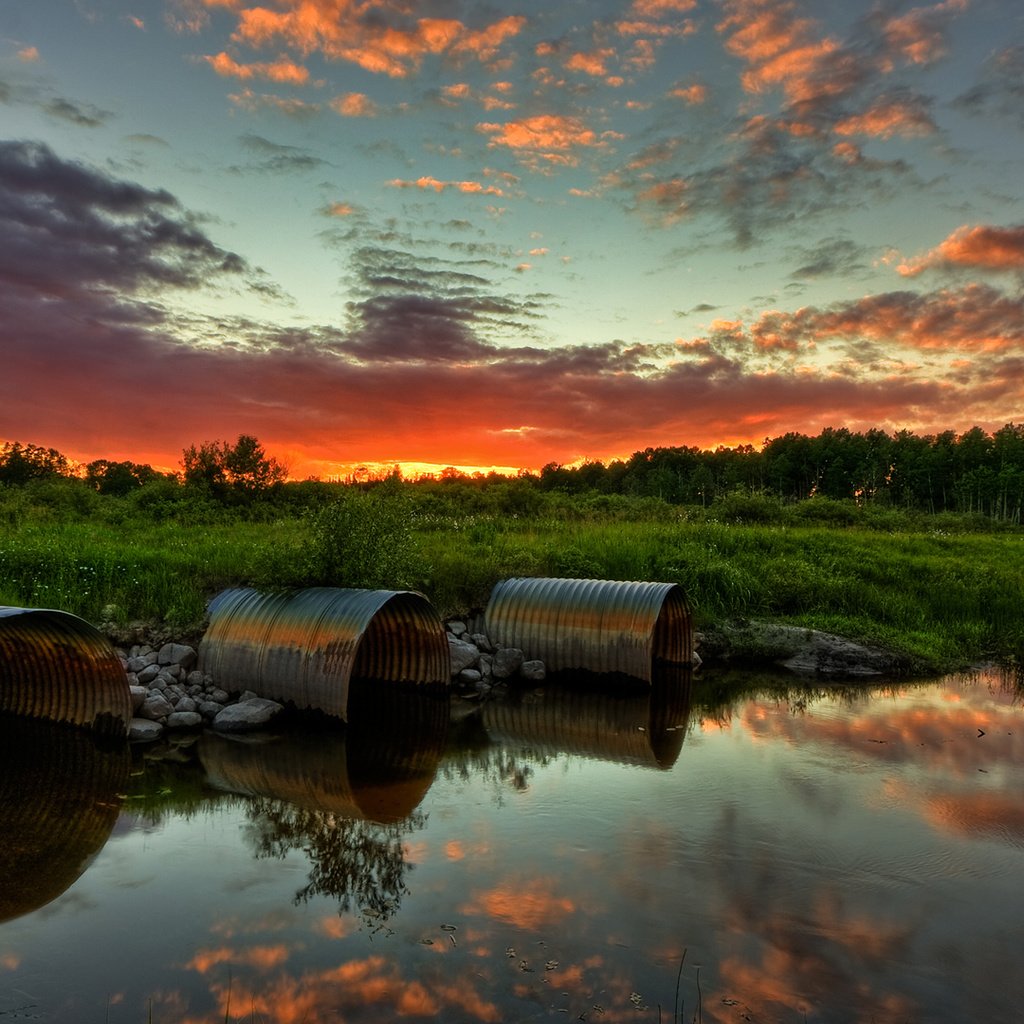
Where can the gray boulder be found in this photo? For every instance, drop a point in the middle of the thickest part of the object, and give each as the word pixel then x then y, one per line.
pixel 177 654
pixel 142 730
pixel 139 695
pixel 184 720
pixel 246 715
pixel 155 706
pixel 463 653
pixel 148 674
pixel 506 662
pixel 807 652
pixel 533 671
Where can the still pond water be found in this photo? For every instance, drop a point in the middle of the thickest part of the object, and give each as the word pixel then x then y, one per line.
pixel 846 855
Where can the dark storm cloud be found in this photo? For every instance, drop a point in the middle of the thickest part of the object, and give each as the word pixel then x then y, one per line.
pixel 68 228
pixel 1001 88
pixel 829 257
pixel 274 158
pixel 82 115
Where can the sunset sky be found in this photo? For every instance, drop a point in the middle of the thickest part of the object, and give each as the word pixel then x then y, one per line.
pixel 505 234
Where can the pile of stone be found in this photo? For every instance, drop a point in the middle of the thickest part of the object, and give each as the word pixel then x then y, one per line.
pixel 478 665
pixel 170 693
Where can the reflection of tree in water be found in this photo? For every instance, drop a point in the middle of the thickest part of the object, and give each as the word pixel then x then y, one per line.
pixel 472 754
pixel 359 863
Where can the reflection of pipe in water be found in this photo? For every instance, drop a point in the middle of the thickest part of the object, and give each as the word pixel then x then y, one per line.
pixel 304 646
pixel 574 714
pixel 56 666
pixel 606 626
pixel 378 767
pixel 59 801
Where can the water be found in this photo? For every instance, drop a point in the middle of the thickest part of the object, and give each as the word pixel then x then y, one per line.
pixel 834 856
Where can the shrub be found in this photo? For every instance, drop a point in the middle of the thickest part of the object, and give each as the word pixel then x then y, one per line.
pixel 363 539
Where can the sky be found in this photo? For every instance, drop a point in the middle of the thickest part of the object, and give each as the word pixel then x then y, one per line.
pixel 499 235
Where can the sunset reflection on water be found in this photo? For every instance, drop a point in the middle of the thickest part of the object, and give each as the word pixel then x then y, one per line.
pixel 836 854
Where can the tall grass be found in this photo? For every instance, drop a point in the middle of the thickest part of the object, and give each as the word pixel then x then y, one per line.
pixel 940 595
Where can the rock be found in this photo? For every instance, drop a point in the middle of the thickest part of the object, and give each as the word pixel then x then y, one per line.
pixel 464 654
pixel 184 720
pixel 210 709
pixel 220 696
pixel 506 662
pixel 155 706
pixel 456 628
pixel 185 704
pixel 248 714
pixel 484 665
pixel 469 675
pixel 248 695
pixel 483 642
pixel 139 695
pixel 802 651
pixel 195 678
pixel 177 654
pixel 136 664
pixel 533 671
pixel 143 730
pixel 148 674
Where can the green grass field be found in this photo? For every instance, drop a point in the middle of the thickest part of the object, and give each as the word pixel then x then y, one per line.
pixel 941 590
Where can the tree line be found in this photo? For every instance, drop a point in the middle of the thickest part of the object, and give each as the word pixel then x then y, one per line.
pixel 974 472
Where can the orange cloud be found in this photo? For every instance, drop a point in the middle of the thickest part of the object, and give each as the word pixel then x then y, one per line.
pixel 974 318
pixel 341 210
pixel 917 35
pixel 593 63
pixel 691 94
pixel 780 48
pixel 889 117
pixel 28 54
pixel 533 905
pixel 278 71
pixel 660 8
pixel 262 957
pixel 547 138
pixel 388 44
pixel 354 104
pixel 425 182
pixel 336 927
pixel 458 91
pixel 982 246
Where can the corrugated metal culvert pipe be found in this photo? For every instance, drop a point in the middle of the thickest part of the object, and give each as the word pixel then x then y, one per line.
pixel 600 626
pixel 56 666
pixel 378 769
pixel 305 646
pixel 60 796
pixel 639 727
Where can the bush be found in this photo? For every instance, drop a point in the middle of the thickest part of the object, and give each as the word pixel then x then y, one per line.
pixel 363 539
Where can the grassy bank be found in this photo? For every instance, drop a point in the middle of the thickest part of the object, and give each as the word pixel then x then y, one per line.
pixel 942 590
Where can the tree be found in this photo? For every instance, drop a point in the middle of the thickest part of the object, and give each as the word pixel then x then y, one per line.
pixel 243 469
pixel 20 463
pixel 118 478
